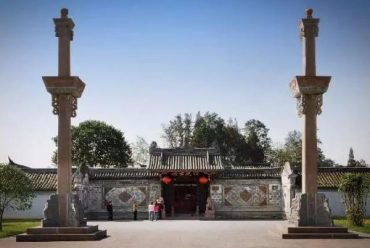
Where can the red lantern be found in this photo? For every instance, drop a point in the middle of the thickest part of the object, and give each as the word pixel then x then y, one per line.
pixel 166 180
pixel 203 180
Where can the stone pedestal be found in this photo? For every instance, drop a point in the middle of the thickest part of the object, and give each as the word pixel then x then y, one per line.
pixel 75 211
pixel 310 210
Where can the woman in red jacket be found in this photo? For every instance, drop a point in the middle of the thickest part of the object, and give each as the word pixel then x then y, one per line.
pixel 157 208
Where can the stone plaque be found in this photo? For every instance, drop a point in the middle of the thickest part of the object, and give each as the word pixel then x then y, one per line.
pixel 275 195
pixel 126 196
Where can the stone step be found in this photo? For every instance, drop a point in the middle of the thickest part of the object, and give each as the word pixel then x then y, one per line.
pixel 62 230
pixel 100 234
pixel 315 229
pixel 320 236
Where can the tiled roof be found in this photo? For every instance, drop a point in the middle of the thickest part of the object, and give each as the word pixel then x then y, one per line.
pixel 42 179
pixel 46 179
pixel 330 177
pixel 192 159
pixel 121 173
pixel 250 173
pixel 252 166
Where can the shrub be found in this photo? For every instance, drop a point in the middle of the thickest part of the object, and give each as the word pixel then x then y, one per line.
pixel 354 188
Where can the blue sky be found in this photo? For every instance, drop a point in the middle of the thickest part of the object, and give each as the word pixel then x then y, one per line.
pixel 146 61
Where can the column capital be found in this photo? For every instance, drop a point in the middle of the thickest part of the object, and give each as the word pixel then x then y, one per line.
pixel 64 26
pixel 309 85
pixel 72 87
pixel 307 103
pixel 71 104
pixel 309 27
pixel 309 90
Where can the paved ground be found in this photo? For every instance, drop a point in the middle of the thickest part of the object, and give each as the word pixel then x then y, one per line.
pixel 194 234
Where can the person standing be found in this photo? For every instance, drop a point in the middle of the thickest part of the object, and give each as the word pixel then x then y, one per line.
pixel 151 211
pixel 161 207
pixel 134 209
pixel 157 208
pixel 110 210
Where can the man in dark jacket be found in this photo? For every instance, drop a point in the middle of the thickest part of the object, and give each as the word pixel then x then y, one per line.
pixel 134 209
pixel 110 210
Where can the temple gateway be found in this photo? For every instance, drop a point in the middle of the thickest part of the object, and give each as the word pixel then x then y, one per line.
pixel 192 182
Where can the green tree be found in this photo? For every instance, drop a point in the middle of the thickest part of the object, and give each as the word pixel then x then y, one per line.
pixel 355 188
pixel 209 130
pixel 237 149
pixel 256 134
pixel 140 151
pixel 323 161
pixel 351 158
pixel 292 152
pixel 293 147
pixel 257 153
pixel 16 190
pixel 362 163
pixel 178 132
pixel 257 128
pixel 279 155
pixel 97 144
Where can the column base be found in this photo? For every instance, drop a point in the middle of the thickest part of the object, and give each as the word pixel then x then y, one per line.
pixel 46 234
pixel 310 210
pixel 76 213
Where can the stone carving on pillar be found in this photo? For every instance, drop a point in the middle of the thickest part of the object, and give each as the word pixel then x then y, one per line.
pixel 309 208
pixel 309 89
pixel 64 208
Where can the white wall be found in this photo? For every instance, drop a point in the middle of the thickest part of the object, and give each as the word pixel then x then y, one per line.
pixel 335 202
pixel 36 211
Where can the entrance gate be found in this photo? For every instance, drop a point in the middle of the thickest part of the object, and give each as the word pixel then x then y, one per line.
pixel 184 195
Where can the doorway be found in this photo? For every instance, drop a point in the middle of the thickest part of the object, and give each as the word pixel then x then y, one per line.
pixel 185 201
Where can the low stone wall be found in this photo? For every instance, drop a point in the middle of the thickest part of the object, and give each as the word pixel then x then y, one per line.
pixel 248 214
pixel 247 198
pixel 122 194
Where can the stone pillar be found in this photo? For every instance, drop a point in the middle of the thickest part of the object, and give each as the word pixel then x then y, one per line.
pixel 309 208
pixel 65 89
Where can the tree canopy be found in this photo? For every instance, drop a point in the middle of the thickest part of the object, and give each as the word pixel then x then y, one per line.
pixel 292 152
pixel 210 130
pixel 140 151
pixel 352 162
pixel 16 190
pixel 97 144
pixel 259 142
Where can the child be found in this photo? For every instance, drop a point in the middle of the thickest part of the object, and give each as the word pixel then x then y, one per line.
pixel 151 211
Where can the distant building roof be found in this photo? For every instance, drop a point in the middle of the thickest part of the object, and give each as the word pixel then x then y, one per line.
pixel 11 162
pixel 121 173
pixel 185 159
pixel 250 173
pixel 330 177
pixel 42 179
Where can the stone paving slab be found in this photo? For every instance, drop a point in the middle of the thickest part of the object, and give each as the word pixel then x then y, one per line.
pixel 192 234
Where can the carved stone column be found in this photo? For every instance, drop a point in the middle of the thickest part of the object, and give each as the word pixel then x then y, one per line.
pixel 64 89
pixel 309 208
